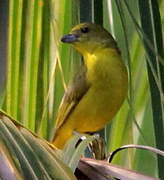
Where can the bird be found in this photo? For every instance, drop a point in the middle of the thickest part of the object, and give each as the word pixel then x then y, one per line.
pixel 97 90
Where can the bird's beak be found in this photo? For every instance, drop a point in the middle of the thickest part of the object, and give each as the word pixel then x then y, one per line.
pixel 69 38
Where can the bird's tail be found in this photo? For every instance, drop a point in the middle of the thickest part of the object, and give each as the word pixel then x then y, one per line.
pixel 61 137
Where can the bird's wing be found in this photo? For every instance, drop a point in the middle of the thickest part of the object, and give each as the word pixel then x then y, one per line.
pixel 76 89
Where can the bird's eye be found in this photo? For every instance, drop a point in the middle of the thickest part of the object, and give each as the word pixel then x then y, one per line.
pixel 84 29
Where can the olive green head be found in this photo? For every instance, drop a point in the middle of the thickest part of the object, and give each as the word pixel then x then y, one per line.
pixel 87 37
